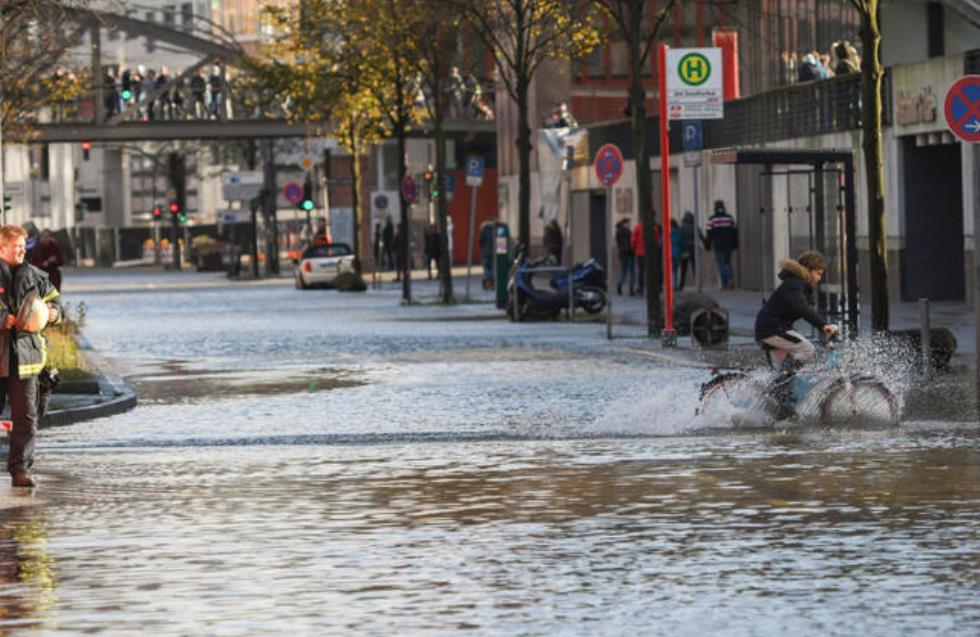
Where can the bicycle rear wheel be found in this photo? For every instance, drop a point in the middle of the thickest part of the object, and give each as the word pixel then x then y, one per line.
pixel 738 398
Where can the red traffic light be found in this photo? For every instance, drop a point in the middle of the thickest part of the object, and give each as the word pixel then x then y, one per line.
pixel 427 175
pixel 86 145
pixel 157 211
pixel 174 208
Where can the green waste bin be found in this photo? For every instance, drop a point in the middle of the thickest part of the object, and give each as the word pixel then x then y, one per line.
pixel 501 261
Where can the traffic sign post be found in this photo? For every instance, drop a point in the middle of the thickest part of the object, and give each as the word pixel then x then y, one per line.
pixel 700 74
pixel 962 108
pixel 693 83
pixel 608 167
pixel 474 179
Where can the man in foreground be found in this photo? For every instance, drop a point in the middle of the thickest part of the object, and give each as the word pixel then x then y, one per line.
pixel 22 348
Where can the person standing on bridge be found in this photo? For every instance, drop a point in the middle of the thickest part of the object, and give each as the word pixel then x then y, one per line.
pixel 216 83
pixel 22 348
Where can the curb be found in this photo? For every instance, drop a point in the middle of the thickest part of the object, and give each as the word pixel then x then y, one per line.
pixel 115 397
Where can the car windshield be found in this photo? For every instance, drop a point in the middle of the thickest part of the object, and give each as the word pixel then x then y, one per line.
pixel 328 250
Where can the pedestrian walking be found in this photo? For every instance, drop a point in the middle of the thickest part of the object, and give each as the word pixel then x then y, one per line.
pixel 22 348
pixel 47 256
pixel 488 243
pixel 639 255
pixel 553 241
pixel 388 244
pixel 722 241
pixel 627 268
pixel 676 249
pixel 433 248
pixel 688 231
pixel 398 243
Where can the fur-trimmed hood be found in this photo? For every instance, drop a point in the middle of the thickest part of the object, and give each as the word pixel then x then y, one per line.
pixel 792 267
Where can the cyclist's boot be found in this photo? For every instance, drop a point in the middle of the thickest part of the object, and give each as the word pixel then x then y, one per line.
pixel 782 389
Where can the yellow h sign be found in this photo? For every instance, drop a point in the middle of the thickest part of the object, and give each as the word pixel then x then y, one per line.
pixel 694 69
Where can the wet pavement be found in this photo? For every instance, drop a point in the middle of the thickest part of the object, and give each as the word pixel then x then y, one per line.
pixel 321 463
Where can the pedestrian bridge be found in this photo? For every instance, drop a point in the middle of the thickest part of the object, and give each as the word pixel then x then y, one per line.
pixel 201 101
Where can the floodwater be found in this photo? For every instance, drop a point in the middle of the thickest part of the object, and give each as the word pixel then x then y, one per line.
pixel 305 463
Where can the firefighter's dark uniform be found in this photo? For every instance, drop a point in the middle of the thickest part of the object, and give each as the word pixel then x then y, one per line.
pixel 22 357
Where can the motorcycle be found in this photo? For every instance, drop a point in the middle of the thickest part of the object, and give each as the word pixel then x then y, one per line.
pixel 524 300
pixel 822 394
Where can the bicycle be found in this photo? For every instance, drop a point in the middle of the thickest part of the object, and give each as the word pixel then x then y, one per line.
pixel 822 394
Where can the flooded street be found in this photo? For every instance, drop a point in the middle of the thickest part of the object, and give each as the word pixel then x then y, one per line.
pixel 325 463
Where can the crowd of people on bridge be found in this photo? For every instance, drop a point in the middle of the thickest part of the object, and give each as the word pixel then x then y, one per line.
pixel 156 97
pixel 842 59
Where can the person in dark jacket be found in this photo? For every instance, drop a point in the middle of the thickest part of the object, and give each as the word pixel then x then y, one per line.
pixel 433 248
pixel 790 302
pixel 626 257
pixel 47 256
pixel 553 241
pixel 23 352
pixel 488 242
pixel 722 241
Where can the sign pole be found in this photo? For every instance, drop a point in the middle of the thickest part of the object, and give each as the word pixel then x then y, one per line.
pixel 697 231
pixel 976 265
pixel 469 240
pixel 668 336
pixel 608 169
pixel 609 262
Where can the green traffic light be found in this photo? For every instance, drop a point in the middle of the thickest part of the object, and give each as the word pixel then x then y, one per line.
pixel 307 204
pixel 126 94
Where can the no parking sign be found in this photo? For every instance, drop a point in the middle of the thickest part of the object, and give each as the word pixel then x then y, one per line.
pixel 963 108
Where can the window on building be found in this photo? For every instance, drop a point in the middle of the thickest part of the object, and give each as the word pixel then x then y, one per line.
pixel 619 59
pixel 169 15
pixel 594 66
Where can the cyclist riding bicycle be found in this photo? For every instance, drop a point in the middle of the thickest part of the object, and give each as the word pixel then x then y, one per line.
pixel 786 348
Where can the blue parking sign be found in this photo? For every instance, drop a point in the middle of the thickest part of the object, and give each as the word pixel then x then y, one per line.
pixel 474 170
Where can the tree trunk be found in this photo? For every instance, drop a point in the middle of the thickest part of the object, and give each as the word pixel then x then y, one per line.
pixel 356 195
pixel 644 182
pixel 871 73
pixel 400 135
pixel 523 162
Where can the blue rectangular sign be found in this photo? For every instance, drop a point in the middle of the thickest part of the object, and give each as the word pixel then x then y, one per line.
pixel 693 137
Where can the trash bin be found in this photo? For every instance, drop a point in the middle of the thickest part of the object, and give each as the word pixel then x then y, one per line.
pixel 709 327
pixel 501 262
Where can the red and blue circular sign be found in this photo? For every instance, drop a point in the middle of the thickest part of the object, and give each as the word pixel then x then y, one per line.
pixel 963 108
pixel 293 192
pixel 609 164
pixel 410 190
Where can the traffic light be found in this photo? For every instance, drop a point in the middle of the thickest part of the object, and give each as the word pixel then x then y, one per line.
pixel 306 203
pixel 7 203
pixel 86 147
pixel 431 184
pixel 157 213
pixel 179 215
pixel 126 94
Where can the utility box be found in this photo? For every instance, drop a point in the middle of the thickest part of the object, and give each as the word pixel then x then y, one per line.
pixel 502 258
pixel 709 327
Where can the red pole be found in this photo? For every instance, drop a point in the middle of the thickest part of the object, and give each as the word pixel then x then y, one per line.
pixel 665 201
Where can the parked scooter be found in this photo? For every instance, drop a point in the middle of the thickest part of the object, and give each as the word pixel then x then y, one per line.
pixel 524 300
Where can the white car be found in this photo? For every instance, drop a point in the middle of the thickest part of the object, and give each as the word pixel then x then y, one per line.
pixel 320 264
